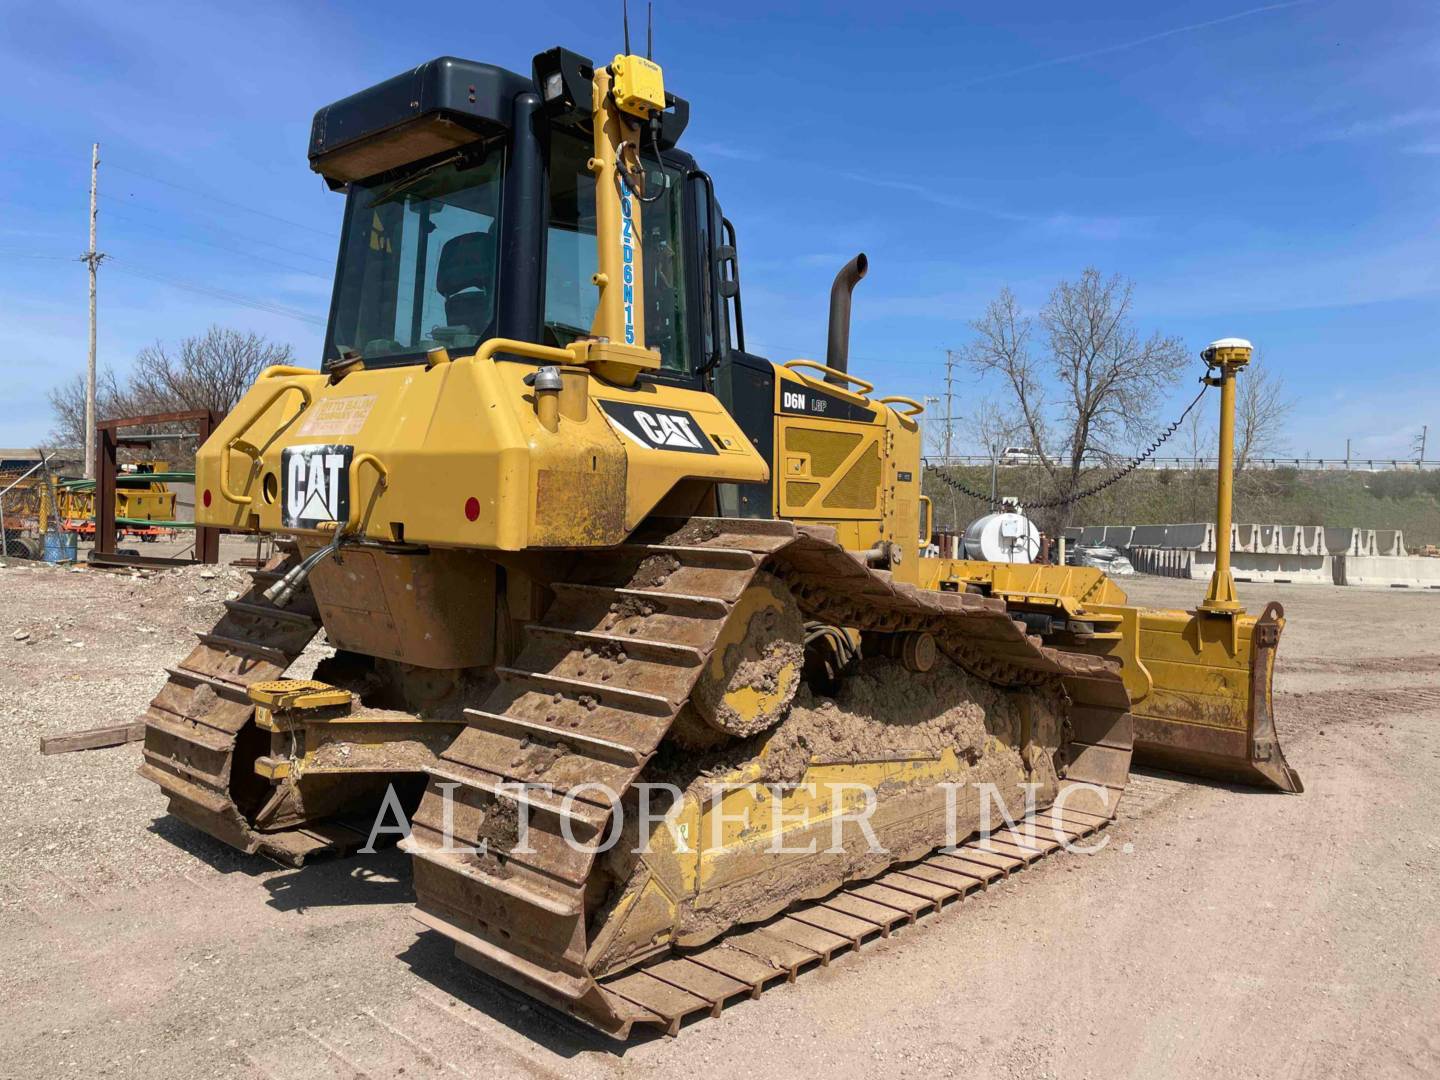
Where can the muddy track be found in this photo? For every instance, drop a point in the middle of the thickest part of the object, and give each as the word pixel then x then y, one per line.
pixel 591 697
pixel 197 727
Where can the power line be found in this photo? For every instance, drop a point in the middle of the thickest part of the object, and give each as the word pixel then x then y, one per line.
pixel 130 202
pixel 223 247
pixel 221 294
pixel 223 202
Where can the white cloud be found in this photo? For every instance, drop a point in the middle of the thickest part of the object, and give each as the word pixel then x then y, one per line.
pixel 1384 125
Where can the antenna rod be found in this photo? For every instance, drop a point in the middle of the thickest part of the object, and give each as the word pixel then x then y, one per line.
pixel 625 16
pixel 649 29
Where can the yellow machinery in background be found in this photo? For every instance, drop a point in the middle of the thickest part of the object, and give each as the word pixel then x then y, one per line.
pixel 144 503
pixel 574 545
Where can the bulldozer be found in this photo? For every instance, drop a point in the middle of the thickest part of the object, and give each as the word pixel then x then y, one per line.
pixel 633 629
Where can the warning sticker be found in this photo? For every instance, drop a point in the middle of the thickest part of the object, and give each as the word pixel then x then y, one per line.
pixel 338 416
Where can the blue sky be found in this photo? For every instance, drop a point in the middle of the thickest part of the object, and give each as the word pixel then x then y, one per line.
pixel 1265 171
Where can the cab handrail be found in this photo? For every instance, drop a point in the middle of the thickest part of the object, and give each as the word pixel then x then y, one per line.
pixel 844 376
pixel 900 399
pixel 575 354
pixel 237 441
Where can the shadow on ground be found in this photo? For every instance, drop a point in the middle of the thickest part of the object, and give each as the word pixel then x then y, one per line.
pixel 1211 782
pixel 214 854
pixel 381 878
pixel 432 958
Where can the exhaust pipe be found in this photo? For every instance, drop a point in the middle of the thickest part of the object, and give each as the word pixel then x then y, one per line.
pixel 837 347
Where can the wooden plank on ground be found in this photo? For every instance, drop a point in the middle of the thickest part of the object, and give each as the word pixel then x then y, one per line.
pixel 93 738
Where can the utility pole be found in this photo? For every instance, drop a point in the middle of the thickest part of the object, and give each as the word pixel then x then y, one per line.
pixel 930 399
pixel 1419 445
pixel 951 359
pixel 92 259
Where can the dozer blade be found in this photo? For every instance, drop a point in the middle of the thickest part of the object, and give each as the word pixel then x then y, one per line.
pixel 592 705
pixel 1199 684
pixel 1200 689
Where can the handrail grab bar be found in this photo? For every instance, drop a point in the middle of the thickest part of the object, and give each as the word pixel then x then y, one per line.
pixel 900 399
pixel 237 442
pixel 866 387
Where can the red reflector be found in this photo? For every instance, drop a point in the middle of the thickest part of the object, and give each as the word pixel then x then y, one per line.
pixel 472 508
pixel 205 498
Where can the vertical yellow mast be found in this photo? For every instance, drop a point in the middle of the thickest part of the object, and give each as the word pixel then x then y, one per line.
pixel 1226 357
pixel 624 98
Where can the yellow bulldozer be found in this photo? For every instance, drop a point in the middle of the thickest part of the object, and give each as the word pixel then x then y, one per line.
pixel 633 629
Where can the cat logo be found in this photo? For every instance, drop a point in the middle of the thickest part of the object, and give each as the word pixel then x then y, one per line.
pixel 315 485
pixel 659 429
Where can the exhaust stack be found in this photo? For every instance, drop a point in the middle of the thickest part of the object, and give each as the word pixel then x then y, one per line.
pixel 837 348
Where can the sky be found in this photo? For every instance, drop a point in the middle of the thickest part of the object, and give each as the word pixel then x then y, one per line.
pixel 1265 171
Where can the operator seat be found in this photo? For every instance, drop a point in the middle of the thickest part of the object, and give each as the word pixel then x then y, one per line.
pixel 466 278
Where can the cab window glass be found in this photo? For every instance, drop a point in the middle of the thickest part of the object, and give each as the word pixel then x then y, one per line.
pixel 570 258
pixel 418 268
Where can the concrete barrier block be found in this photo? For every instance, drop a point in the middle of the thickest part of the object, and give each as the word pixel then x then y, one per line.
pixel 1092 534
pixel 1164 562
pixel 1192 536
pixel 1393 571
pixel 1073 532
pixel 1389 542
pixel 1148 536
pixel 1338 541
pixel 1267 567
pixel 1290 538
pixel 1118 536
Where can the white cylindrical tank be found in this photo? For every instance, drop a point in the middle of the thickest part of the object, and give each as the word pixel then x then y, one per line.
pixel 1011 538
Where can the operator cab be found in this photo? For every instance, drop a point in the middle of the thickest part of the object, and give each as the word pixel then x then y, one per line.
pixel 470 214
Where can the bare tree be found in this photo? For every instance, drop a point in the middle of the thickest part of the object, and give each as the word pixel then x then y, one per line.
pixel 1200 438
pixel 67 402
pixel 210 371
pixel 1095 383
pixel 992 427
pixel 1261 408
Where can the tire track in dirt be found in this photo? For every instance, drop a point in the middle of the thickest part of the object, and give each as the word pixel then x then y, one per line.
pixel 1307 711
pixel 1373 665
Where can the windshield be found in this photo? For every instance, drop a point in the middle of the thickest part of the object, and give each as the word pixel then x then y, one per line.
pixel 417 269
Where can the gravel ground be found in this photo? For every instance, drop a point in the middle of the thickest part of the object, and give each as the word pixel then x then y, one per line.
pixel 1221 931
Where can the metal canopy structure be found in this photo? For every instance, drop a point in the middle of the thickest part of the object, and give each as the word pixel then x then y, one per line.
pixel 107 477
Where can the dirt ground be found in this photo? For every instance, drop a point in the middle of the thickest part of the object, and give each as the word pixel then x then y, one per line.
pixel 1222 931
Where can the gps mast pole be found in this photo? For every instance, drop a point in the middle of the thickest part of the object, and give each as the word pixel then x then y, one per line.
pixel 1227 356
